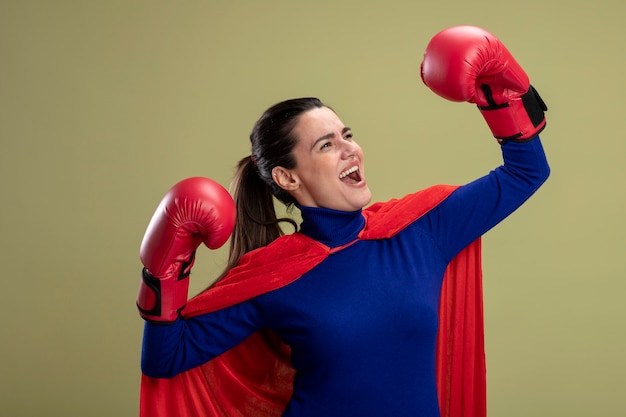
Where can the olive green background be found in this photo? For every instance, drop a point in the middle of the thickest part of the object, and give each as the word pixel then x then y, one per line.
pixel 106 104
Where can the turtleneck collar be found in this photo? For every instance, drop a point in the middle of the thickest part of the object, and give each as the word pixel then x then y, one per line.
pixel 331 227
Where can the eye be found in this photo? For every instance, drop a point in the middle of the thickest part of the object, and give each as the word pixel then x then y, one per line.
pixel 348 136
pixel 326 145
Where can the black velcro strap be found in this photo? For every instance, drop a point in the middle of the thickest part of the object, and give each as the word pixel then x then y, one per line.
pixel 155 286
pixel 535 106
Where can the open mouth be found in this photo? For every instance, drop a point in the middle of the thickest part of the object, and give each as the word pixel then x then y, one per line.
pixel 351 175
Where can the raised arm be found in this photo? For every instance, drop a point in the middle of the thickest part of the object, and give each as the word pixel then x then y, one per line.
pixel 194 211
pixel 466 63
pixel 474 208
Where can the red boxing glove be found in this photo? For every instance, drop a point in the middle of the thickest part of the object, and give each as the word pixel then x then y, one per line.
pixel 194 211
pixel 467 63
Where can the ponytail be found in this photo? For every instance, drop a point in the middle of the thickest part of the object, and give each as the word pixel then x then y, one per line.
pixel 257 224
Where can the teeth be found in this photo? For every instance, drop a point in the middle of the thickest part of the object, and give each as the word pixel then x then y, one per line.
pixel 348 172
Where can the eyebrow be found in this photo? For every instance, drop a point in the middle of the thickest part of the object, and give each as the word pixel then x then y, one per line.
pixel 329 136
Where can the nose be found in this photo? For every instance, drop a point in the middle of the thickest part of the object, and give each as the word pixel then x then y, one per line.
pixel 350 149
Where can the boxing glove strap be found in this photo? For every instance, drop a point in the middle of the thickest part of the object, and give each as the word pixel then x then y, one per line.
pixel 149 298
pixel 535 106
pixel 520 119
pixel 161 300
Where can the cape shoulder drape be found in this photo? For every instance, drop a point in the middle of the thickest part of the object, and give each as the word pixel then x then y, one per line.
pixel 254 378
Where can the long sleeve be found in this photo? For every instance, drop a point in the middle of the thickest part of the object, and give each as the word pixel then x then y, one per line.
pixel 474 208
pixel 169 349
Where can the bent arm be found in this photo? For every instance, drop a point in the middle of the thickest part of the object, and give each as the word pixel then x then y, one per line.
pixel 474 208
pixel 169 349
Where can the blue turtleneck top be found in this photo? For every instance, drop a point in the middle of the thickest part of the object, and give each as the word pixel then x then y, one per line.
pixel 361 325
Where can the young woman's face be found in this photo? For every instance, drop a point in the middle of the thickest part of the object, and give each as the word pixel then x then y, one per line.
pixel 329 168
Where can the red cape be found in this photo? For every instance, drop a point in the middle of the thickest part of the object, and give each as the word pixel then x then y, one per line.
pixel 255 377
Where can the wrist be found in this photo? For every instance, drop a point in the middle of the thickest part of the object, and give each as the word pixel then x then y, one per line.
pixel 519 119
pixel 161 300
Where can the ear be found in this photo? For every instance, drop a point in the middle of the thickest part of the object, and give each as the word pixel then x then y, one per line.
pixel 285 179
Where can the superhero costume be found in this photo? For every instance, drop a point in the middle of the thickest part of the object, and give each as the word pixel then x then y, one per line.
pixel 200 390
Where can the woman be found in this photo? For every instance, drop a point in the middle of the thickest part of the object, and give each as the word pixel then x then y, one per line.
pixel 360 322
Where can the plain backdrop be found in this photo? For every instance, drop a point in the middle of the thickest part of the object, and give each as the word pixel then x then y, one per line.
pixel 106 104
